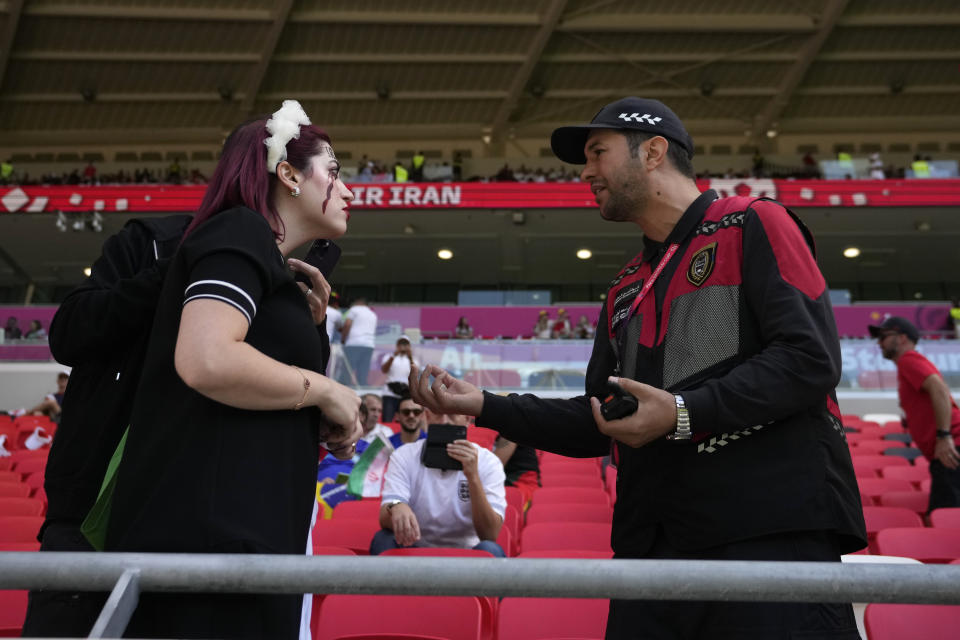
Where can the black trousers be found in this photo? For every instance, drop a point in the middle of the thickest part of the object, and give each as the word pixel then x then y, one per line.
pixel 686 620
pixel 60 614
pixel 944 486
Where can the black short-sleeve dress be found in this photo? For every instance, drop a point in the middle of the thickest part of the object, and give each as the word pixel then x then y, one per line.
pixel 199 476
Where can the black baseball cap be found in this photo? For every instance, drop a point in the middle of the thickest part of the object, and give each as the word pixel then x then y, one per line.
pixel 637 114
pixel 895 323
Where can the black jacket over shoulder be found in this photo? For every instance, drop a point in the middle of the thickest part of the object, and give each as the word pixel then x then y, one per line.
pixel 101 330
pixel 201 476
pixel 739 323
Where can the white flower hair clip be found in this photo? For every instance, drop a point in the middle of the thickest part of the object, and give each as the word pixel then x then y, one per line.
pixel 284 125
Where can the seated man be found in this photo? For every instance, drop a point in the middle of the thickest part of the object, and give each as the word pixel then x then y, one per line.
pixel 427 507
pixel 370 411
pixel 51 403
pixel 413 423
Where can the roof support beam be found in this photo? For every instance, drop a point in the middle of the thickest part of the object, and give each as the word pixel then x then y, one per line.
pixel 550 20
pixel 158 12
pixel 794 75
pixel 281 13
pixel 418 18
pixel 686 22
pixel 13 10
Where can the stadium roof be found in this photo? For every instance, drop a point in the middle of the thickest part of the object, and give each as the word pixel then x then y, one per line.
pixel 185 71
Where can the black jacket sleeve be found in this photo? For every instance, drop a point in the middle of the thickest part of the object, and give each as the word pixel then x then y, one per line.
pixel 114 303
pixel 561 426
pixel 798 359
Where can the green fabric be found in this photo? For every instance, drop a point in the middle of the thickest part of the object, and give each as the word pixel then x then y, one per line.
pixel 358 475
pixel 94 526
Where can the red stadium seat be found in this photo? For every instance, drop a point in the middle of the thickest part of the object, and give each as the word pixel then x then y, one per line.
pixel 542 618
pixel 879 518
pixel 921 462
pixel 569 513
pixel 19 546
pixel 576 495
pixel 22 454
pixel 31 465
pixel 872 488
pixel 513 521
pixel 610 479
pixel 21 507
pixel 567 535
pixel 34 481
pixel 453 618
pixel 875 447
pixel 6 464
pixel 937 546
pixel 355 535
pixel 515 498
pixel 13 609
pixel 358 510
pixel 434 552
pixel 506 541
pixel 332 551
pixel 945 518
pixel 14 490
pixel 921 621
pixel 10 476
pixel 550 459
pixel 571 480
pixel 912 474
pixel 875 461
pixel 489 605
pixel 583 470
pixel 914 500
pixel 19 528
pixel 569 553
pixel 318 597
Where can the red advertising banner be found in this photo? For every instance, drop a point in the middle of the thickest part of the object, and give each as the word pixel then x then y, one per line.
pixel 492 195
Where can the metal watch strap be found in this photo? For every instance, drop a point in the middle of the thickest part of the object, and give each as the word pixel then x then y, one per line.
pixel 683 431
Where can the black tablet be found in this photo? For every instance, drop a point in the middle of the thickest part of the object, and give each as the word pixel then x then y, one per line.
pixel 434 453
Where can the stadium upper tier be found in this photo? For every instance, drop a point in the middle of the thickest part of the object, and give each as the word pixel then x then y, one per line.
pixel 489 195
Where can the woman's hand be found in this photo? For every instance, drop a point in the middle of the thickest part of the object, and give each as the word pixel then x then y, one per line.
pixel 340 404
pixel 341 441
pixel 318 294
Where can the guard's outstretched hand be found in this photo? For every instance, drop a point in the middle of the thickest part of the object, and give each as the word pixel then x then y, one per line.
pixel 447 394
pixel 656 415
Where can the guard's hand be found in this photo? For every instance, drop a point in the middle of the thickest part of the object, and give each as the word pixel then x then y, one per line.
pixel 406 529
pixel 946 452
pixel 447 394
pixel 465 453
pixel 318 293
pixel 656 415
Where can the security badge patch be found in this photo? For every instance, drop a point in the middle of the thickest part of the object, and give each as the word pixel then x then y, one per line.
pixel 701 264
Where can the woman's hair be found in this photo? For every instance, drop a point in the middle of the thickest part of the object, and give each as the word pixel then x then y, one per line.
pixel 241 177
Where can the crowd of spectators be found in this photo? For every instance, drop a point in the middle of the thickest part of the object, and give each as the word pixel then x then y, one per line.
pixel 418 170
pixel 91 176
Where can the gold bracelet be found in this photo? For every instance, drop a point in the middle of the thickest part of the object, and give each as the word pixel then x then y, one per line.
pixel 306 389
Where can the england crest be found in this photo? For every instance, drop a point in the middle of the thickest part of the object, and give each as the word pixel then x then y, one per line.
pixel 701 264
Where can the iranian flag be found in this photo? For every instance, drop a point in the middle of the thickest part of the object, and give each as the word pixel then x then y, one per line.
pixel 366 478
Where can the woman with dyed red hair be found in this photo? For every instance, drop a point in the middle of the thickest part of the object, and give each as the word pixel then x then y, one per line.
pixel 233 406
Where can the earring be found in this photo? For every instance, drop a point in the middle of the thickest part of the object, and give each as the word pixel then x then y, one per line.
pixel 295 192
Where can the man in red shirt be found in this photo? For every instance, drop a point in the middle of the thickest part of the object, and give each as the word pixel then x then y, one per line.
pixel 932 414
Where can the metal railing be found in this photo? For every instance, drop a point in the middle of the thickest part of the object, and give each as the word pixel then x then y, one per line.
pixel 128 574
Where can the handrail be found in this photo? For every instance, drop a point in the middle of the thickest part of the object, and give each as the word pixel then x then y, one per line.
pixel 512 577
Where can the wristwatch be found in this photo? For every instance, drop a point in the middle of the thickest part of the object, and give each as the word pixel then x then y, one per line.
pixel 682 431
pixel 390 505
pixel 944 433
